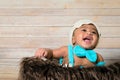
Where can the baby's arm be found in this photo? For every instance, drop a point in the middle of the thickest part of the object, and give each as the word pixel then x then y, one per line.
pixel 60 52
pixel 51 53
pixel 100 58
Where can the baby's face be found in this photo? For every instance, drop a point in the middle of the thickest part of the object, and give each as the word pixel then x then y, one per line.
pixel 86 36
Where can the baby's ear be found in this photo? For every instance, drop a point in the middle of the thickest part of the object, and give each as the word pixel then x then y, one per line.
pixel 73 40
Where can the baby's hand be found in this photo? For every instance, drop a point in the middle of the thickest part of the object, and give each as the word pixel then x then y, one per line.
pixel 41 52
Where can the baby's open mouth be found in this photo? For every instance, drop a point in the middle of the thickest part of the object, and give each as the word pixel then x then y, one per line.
pixel 87 39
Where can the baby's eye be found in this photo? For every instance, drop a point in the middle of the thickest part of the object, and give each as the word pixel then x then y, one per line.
pixel 84 30
pixel 94 32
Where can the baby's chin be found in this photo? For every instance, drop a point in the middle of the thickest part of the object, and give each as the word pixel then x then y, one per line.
pixel 88 47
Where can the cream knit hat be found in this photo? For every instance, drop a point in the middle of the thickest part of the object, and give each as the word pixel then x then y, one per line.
pixel 80 23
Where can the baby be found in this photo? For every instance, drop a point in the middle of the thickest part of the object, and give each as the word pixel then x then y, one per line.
pixel 84 38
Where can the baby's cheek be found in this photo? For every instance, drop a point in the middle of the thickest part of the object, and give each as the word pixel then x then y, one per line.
pixel 95 41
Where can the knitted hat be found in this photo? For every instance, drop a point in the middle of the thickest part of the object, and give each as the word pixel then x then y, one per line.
pixel 79 24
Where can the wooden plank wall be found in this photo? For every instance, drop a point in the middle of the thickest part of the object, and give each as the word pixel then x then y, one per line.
pixel 26 25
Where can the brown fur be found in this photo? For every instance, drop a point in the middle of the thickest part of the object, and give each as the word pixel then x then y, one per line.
pixel 37 69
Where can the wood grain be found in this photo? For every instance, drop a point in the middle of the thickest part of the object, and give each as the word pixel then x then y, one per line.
pixel 59 11
pixel 60 4
pixel 56 20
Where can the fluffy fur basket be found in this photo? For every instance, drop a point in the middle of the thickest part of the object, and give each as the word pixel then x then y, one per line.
pixel 38 69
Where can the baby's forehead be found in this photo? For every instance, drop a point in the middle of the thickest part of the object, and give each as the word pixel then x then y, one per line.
pixel 89 26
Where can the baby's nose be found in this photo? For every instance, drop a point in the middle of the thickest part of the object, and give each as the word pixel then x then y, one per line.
pixel 90 33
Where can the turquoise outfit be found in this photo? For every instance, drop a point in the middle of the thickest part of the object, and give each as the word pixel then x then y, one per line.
pixel 81 52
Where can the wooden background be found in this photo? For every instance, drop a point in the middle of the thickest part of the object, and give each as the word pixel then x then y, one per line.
pixel 26 25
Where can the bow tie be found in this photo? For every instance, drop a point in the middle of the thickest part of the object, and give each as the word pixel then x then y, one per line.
pixel 81 52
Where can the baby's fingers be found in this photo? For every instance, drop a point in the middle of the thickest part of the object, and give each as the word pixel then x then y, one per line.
pixel 45 54
pixel 39 52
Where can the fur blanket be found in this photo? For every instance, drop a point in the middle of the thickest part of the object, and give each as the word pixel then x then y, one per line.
pixel 38 69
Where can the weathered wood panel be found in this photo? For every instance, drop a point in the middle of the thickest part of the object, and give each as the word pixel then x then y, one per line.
pixel 60 4
pixel 9 76
pixel 56 20
pixel 59 12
